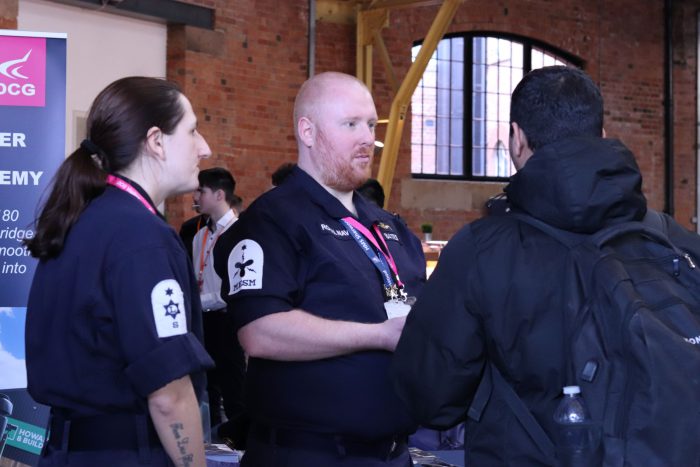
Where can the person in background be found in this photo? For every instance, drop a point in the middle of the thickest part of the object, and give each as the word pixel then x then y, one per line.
pixel 225 381
pixel 496 205
pixel 281 173
pixel 192 225
pixel 114 330
pixel 317 316
pixel 237 205
pixel 373 191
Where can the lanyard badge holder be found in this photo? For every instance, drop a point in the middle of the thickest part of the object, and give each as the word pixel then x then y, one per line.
pixel 397 303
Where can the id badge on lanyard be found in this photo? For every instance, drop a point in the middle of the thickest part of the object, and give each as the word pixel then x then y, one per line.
pixel 397 304
pixel 398 308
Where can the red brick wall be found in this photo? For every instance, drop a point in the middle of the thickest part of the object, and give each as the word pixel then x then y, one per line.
pixel 621 43
pixel 242 79
pixel 8 14
pixel 685 66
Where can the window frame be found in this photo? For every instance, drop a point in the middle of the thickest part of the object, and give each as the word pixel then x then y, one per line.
pixel 467 86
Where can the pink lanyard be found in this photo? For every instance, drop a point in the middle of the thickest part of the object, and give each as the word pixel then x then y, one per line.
pixel 384 252
pixel 124 186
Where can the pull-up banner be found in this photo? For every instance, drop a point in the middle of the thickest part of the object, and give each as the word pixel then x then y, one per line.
pixel 32 142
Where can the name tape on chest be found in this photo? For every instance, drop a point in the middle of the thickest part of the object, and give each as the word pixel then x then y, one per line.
pixel 336 232
pixel 388 232
pixel 342 233
pixel 245 266
pixel 168 303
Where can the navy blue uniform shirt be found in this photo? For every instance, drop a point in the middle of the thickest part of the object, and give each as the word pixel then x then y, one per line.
pixel 116 315
pixel 289 250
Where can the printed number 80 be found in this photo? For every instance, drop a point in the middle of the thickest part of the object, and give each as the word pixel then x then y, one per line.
pixel 10 215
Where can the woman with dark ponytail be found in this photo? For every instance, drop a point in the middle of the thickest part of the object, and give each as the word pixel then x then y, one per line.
pixel 114 332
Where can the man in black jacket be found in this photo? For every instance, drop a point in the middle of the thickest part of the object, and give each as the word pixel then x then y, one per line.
pixel 497 294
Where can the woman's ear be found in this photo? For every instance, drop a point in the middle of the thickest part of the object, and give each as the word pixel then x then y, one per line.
pixel 154 142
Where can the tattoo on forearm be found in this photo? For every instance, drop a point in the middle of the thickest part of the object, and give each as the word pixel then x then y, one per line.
pixel 187 458
pixel 176 427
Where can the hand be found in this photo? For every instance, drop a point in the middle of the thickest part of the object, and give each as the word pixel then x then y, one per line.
pixel 391 331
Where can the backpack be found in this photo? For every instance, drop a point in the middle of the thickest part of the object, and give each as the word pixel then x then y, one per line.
pixel 632 343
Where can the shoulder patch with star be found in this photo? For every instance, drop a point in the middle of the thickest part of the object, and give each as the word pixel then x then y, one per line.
pixel 168 302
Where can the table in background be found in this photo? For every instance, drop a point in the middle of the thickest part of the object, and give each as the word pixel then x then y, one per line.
pixel 219 455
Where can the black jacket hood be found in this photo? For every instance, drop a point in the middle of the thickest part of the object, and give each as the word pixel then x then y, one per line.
pixel 580 185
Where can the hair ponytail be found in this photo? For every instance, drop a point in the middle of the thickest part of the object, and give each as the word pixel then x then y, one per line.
pixel 77 182
pixel 117 124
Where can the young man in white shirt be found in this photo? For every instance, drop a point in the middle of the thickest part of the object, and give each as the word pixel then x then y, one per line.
pixel 216 196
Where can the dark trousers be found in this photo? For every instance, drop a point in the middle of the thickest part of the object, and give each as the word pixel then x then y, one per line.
pixel 53 457
pixel 115 440
pixel 226 380
pixel 262 452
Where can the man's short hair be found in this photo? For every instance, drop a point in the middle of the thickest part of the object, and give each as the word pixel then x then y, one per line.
pixel 373 191
pixel 281 173
pixel 556 102
pixel 237 204
pixel 218 178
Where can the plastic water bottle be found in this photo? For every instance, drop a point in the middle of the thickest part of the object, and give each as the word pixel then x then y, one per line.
pixel 578 440
pixel 206 420
pixel 5 411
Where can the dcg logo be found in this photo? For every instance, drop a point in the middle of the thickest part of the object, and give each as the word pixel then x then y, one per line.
pixel 16 89
pixel 22 71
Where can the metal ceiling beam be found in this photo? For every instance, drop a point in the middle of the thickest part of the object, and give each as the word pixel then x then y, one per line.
pixel 168 11
pixel 369 23
pixel 386 60
pixel 399 107
pixel 374 4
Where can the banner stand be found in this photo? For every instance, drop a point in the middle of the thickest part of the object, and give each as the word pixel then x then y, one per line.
pixel 32 143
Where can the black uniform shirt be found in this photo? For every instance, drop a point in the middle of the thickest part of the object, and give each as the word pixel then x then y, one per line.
pixel 289 250
pixel 116 315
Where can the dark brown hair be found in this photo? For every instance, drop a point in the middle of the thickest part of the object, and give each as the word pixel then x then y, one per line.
pixel 117 124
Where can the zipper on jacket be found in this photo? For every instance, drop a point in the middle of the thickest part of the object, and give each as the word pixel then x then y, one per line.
pixel 689 260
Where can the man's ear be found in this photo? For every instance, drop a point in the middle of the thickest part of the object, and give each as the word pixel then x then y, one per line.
pixel 517 142
pixel 220 194
pixel 604 134
pixel 520 150
pixel 306 131
pixel 154 142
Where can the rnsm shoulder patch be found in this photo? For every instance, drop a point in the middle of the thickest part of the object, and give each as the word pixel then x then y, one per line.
pixel 245 266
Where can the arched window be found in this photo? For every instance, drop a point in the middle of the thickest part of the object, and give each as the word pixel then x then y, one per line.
pixel 461 107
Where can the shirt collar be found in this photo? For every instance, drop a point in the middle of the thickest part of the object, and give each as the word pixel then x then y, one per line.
pixel 225 219
pixel 142 192
pixel 366 212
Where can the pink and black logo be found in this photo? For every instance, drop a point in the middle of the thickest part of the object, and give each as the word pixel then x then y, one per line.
pixel 23 71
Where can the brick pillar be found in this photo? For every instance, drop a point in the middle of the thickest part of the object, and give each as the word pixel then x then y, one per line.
pixel 8 14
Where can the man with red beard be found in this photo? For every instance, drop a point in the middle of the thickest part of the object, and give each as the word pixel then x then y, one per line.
pixel 318 281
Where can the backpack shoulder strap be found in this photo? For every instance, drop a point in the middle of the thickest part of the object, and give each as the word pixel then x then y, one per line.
pixel 655 220
pixel 654 225
pixel 494 382
pixel 568 239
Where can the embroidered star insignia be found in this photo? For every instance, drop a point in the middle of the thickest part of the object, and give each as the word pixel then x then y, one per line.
pixel 172 309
